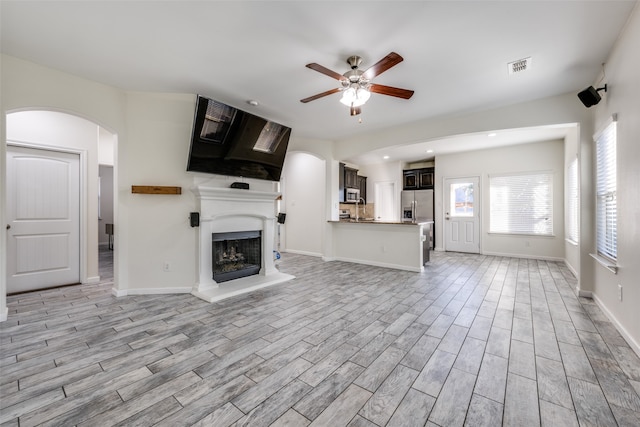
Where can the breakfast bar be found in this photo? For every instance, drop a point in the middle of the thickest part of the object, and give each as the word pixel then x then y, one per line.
pixel 399 245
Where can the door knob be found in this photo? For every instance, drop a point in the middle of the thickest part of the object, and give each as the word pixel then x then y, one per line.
pixel 8 226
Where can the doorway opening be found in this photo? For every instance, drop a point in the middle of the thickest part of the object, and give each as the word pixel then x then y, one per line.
pixel 45 132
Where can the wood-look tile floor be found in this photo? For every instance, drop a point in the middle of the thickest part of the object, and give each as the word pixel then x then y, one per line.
pixel 474 340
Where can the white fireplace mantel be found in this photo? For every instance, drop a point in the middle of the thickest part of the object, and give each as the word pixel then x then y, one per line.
pixel 227 210
pixel 234 194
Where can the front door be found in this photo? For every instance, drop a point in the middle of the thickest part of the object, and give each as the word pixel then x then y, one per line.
pixel 462 220
pixel 43 219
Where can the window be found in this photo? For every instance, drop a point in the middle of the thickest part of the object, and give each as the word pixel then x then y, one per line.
pixel 606 205
pixel 461 199
pixel 521 204
pixel 572 196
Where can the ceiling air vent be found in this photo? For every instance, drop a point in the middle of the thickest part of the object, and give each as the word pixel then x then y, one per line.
pixel 519 66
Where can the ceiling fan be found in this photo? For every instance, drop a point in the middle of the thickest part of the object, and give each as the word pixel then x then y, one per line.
pixel 356 86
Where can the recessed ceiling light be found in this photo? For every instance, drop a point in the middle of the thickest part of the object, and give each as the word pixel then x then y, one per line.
pixel 253 102
pixel 385 157
pixel 492 134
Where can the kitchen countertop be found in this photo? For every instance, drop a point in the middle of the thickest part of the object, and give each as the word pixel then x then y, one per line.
pixel 371 221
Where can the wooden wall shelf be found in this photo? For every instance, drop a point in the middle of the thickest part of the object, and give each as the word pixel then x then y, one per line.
pixel 155 189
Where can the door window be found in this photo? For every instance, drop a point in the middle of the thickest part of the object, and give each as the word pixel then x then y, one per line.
pixel 461 199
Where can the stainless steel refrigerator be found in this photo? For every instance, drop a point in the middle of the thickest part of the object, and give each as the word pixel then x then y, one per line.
pixel 417 205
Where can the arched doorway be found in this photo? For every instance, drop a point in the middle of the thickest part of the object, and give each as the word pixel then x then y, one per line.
pixel 46 134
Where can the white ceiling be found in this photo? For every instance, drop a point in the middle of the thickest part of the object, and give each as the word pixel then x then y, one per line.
pixel 455 52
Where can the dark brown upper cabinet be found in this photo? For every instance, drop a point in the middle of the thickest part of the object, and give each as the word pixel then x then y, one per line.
pixel 418 179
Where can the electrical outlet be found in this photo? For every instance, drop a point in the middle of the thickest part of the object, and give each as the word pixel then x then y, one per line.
pixel 166 266
pixel 619 292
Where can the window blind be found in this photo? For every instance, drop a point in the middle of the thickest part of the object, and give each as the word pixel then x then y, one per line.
pixel 521 204
pixel 572 231
pixel 606 203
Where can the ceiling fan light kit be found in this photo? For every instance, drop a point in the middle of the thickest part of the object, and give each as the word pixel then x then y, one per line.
pixel 355 96
pixel 355 84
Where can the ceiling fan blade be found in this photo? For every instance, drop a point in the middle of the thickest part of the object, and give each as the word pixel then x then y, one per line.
pixel 327 72
pixel 391 91
pixel 320 95
pixel 383 65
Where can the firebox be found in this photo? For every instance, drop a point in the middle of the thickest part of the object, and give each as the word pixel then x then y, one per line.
pixel 236 255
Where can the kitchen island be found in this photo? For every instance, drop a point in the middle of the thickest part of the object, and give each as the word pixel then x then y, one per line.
pixel 399 245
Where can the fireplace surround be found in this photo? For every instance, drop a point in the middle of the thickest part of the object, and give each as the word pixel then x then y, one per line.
pixel 230 210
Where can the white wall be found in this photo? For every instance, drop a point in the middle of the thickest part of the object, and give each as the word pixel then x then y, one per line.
pixel 106 147
pixel 562 110
pixel 304 198
pixel 536 157
pixel 159 131
pixel 322 150
pixel 622 97
pixel 571 152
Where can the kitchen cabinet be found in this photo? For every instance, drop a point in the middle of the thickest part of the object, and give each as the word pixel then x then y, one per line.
pixel 410 179
pixel 418 179
pixel 362 185
pixel 350 177
pixel 341 182
pixel 425 178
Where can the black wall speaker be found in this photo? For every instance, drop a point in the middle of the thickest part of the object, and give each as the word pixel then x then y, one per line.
pixel 590 96
pixel 194 219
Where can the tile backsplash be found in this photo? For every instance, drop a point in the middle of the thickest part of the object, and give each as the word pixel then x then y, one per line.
pixel 364 211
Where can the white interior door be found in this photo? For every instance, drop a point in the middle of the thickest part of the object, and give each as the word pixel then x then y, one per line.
pixel 462 219
pixel 43 219
pixel 384 206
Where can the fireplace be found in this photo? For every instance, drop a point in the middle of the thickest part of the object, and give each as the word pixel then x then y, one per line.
pixel 223 213
pixel 236 254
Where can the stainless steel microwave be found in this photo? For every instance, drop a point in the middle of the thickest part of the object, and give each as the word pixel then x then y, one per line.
pixel 351 195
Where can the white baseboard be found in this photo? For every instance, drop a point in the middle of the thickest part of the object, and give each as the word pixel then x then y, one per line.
pixel 4 314
pixel 583 293
pixel 92 280
pixel 295 251
pixel 118 292
pixel 380 264
pixel 150 291
pixel 635 346
pixel 571 269
pixel 523 256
